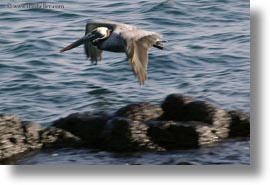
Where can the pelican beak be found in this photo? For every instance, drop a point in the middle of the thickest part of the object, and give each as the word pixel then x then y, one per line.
pixel 86 38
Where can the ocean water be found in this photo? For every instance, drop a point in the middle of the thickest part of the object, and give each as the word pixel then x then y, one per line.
pixel 207 55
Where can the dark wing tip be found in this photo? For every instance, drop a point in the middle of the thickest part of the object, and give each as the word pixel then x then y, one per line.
pixel 158 45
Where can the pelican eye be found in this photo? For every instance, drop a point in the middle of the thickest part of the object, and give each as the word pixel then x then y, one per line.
pixel 95 42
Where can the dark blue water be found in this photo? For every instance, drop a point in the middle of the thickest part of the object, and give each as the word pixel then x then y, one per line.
pixel 206 56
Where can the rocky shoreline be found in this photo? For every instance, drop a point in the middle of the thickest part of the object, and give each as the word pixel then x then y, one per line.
pixel 180 122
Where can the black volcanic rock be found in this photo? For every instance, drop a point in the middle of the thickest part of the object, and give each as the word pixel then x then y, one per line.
pixel 125 135
pixel 181 135
pixel 204 112
pixel 198 111
pixel 240 124
pixel 31 132
pixel 180 123
pixel 178 107
pixel 53 137
pixel 173 106
pixel 15 137
pixel 140 112
pixel 87 126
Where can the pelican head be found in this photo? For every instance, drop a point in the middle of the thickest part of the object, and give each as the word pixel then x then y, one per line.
pixel 96 36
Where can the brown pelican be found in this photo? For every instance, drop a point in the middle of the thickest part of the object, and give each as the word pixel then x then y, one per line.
pixel 118 37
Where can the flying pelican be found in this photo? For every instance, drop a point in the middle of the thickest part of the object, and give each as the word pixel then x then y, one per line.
pixel 118 37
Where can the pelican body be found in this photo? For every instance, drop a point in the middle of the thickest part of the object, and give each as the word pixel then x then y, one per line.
pixel 118 37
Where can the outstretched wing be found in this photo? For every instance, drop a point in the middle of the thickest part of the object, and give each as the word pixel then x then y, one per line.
pixel 138 43
pixel 91 51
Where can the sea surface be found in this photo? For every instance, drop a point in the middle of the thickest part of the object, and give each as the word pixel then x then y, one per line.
pixel 207 55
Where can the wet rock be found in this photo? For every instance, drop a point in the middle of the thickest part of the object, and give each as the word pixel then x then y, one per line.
pixel 240 124
pixel 15 137
pixel 125 135
pixel 173 106
pixel 11 136
pixel 87 126
pixel 199 111
pixel 171 135
pixel 221 121
pixel 180 123
pixel 204 112
pixel 53 137
pixel 207 113
pixel 207 134
pixel 140 112
pixel 181 135
pixel 31 131
pixel 178 107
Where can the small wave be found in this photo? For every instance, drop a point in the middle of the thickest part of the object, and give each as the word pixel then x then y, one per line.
pixel 40 10
pixel 36 63
pixel 69 15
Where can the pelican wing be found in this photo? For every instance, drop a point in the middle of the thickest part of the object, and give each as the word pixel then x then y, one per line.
pixel 91 51
pixel 138 43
